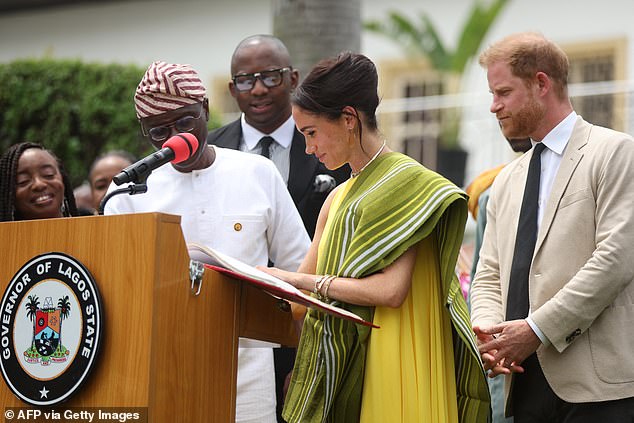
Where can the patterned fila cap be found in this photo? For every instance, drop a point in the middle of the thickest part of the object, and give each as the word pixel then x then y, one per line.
pixel 165 87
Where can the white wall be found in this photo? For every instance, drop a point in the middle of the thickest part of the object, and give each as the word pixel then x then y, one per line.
pixel 202 33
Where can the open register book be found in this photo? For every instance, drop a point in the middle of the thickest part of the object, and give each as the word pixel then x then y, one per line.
pixel 270 284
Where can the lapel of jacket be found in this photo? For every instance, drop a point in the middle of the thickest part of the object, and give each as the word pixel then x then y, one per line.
pixel 302 168
pixel 231 137
pixel 569 162
pixel 517 184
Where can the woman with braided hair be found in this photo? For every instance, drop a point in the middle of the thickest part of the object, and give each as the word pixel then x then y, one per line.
pixel 34 184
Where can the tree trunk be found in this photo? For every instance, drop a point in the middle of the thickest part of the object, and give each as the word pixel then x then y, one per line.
pixel 315 29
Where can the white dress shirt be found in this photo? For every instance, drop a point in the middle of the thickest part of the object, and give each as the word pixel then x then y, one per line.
pixel 280 150
pixel 555 141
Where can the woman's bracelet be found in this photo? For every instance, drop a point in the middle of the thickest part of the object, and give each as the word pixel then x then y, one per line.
pixel 319 281
pixel 326 286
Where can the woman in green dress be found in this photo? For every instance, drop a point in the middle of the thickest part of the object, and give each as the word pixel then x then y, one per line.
pixel 385 248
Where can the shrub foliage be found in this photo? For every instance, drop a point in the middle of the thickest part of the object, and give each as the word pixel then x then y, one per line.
pixel 78 110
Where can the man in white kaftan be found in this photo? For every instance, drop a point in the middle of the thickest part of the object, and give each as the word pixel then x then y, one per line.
pixel 233 202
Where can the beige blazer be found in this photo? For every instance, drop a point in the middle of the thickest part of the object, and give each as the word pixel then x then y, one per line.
pixel 580 289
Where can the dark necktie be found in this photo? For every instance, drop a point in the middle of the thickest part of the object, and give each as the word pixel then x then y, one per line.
pixel 265 143
pixel 517 304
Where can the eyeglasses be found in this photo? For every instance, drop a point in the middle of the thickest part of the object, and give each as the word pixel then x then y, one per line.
pixel 184 124
pixel 270 78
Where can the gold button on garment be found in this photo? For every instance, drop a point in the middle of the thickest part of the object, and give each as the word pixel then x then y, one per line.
pixel 237 227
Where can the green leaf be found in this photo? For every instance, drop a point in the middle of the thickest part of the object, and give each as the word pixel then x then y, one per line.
pixel 421 38
pixel 78 110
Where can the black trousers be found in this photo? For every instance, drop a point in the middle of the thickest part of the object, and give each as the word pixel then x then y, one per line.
pixel 535 402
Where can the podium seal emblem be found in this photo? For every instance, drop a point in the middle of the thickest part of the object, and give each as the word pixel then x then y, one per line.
pixel 50 329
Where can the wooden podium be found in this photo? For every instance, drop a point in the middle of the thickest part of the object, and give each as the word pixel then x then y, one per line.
pixel 163 347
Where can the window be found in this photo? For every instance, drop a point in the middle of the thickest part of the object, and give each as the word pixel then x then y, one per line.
pixel 592 63
pixel 412 127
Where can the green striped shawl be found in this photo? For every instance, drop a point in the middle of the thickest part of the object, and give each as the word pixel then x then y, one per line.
pixel 393 205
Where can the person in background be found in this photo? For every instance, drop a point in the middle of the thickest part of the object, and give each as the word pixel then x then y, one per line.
pixel 83 200
pixel 262 80
pixel 478 192
pixel 34 184
pixel 105 167
pixel 233 202
pixel 552 297
pixel 385 248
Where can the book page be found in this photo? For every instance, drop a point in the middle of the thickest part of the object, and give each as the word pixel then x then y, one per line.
pixel 269 283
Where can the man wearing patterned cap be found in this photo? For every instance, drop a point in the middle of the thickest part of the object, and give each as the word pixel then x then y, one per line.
pixel 234 202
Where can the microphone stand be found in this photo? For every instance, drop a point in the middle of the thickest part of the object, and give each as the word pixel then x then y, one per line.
pixel 132 189
pixel 137 173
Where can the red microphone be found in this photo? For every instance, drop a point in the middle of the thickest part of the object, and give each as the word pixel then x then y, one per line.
pixel 177 149
pixel 183 145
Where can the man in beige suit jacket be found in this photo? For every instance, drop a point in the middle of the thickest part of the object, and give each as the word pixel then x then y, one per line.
pixel 572 358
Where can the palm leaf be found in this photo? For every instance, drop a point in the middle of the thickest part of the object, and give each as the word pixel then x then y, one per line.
pixel 422 38
pixel 480 20
pixel 432 45
pixel 399 29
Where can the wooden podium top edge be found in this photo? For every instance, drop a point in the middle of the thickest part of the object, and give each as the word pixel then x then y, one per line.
pixel 163 217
